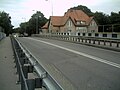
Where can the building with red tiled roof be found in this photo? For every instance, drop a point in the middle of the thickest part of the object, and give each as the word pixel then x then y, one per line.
pixel 73 21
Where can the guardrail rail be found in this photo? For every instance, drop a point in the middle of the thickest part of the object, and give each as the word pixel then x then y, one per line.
pixel 27 64
pixel 112 44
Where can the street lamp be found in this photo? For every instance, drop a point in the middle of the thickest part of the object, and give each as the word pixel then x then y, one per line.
pixel 51 6
pixel 37 22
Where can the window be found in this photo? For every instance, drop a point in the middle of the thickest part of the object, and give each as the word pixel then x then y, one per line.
pixel 81 22
pixel 92 30
pixel 96 34
pixel 69 23
pixel 93 23
pixel 104 35
pixel 89 34
pixel 114 35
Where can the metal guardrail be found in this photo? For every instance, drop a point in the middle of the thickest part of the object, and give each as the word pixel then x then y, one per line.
pixel 109 42
pixel 26 63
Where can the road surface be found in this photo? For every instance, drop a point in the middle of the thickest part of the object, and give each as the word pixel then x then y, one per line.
pixel 87 68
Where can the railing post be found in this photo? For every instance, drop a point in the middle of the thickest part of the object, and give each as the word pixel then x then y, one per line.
pixel 117 44
pixel 89 40
pixel 78 39
pixel 85 40
pixel 31 84
pixel 104 42
pixel 98 42
pixel 110 43
pixel 82 39
pixel 93 41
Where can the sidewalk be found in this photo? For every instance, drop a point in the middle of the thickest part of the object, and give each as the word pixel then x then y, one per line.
pixel 8 77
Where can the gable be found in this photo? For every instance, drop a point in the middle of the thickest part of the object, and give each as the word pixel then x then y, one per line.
pixel 69 22
pixel 92 22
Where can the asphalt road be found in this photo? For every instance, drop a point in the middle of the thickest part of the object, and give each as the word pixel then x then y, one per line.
pixel 87 68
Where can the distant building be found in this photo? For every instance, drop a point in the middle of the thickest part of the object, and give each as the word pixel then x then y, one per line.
pixel 72 23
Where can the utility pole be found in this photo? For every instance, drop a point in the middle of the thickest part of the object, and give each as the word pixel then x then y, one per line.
pixel 51 6
pixel 37 22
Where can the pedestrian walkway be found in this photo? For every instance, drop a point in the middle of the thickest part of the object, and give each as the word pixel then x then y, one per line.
pixel 8 77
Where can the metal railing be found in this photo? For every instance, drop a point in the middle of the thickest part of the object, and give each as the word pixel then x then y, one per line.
pixel 26 63
pixel 108 42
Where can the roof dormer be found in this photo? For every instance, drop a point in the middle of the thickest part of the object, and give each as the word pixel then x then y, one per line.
pixel 81 22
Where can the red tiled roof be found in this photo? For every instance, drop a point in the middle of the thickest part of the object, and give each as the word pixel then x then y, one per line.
pixel 56 20
pixel 75 15
pixel 45 26
pixel 78 15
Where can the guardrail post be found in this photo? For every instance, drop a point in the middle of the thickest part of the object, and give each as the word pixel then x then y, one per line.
pixel 34 83
pixel 94 41
pixel 31 84
pixel 82 39
pixel 38 83
pixel 89 40
pixel 110 43
pixel 78 39
pixel 104 42
pixel 22 84
pixel 85 40
pixel 72 38
pixel 117 44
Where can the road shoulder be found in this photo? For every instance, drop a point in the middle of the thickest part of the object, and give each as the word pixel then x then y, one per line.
pixel 8 77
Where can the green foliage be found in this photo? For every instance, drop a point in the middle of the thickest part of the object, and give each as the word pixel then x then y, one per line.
pixel 37 20
pixel 115 18
pixel 16 30
pixel 5 22
pixel 100 17
pixel 84 9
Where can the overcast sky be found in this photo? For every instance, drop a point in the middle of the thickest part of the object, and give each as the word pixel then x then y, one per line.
pixel 22 10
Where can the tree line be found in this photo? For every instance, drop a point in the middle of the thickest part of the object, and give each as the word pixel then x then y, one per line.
pixel 106 23
pixel 5 23
pixel 38 19
pixel 100 17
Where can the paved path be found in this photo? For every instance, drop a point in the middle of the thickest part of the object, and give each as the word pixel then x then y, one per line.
pixel 8 77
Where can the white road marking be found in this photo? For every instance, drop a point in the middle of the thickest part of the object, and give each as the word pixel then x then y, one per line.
pixel 82 54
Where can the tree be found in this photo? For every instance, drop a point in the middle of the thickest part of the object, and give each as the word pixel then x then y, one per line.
pixel 102 18
pixel 5 22
pixel 16 30
pixel 115 18
pixel 22 28
pixel 36 21
pixel 84 9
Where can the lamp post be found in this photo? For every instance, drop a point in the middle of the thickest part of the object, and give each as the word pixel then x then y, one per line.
pixel 51 6
pixel 37 22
